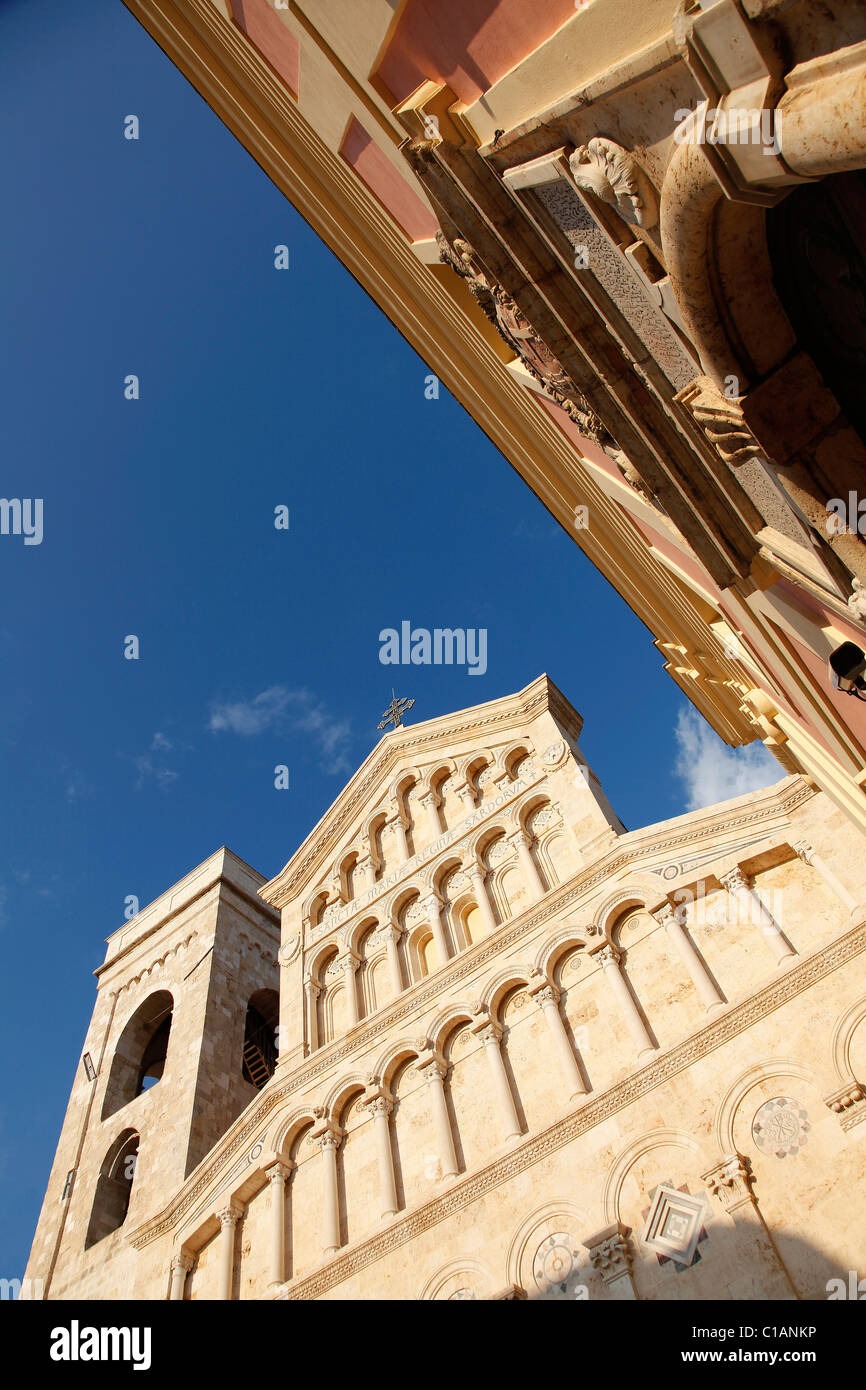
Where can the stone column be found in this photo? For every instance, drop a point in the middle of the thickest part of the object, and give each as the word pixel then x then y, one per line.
pixel 400 834
pixel 546 997
pixel 312 990
pixel 392 934
pixel 434 1071
pixel 467 796
pixel 690 957
pixel 180 1267
pixel 330 1142
pixel 490 1034
pixel 432 905
pixel 535 885
pixel 278 1175
pixel 476 876
pixel 349 965
pixel 429 803
pixel 610 959
pixel 380 1108
pixel 805 852
pixel 228 1219
pixel 610 1254
pixel 367 868
pixel 730 1182
pixel 754 912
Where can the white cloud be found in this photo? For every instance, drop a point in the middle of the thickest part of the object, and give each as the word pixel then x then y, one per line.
pixel 296 711
pixel 160 744
pixel 163 776
pixel 711 771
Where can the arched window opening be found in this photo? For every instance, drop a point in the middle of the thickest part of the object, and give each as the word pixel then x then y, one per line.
pixel 113 1188
pixel 260 1038
pixel 140 1055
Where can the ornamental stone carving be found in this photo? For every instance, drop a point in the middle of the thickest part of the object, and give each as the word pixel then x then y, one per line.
pixel 556 1264
pixel 849 1103
pixel 612 173
pixel 721 419
pixel 515 328
pixel 730 1181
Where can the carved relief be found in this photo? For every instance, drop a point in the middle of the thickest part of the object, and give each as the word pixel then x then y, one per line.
pixel 721 419
pixel 518 332
pixel 613 174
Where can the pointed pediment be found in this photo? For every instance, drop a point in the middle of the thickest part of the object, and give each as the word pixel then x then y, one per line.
pixel 435 758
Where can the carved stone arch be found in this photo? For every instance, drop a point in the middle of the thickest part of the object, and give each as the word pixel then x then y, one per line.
pixel 317 957
pixel 450 1280
pixel 438 772
pixel 402 899
pixel 629 1156
pixel 420 949
pixel 357 931
pixel 394 1057
pixel 504 983
pixel 447 1020
pixel 483 838
pixel 551 952
pixel 373 828
pixel 512 754
pixel 528 805
pixel 454 860
pixel 346 872
pixel 341 1093
pixel 638 891
pixel 524 1269
pixel 747 1081
pixel 474 765
pixel 290 1128
pixel 140 1051
pixel 315 906
pixel 843 1036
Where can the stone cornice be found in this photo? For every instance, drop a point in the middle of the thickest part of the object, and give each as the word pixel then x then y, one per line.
pixel 621 857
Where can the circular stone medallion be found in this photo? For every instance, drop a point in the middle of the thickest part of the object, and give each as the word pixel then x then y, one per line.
pixel 780 1127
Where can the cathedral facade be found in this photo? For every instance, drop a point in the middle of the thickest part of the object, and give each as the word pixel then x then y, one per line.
pixel 477 1040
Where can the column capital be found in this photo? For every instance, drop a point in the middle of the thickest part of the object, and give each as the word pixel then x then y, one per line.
pixel 735 881
pixel 432 1066
pixel 610 1252
pixel 544 993
pixel 230 1215
pixel 731 1181
pixel 849 1103
pixel 803 850
pixel 312 987
pixel 349 962
pixel 609 955
pixel 488 1031
pixel 390 932
pixel 183 1261
pixel 665 914
pixel 378 1105
pixel 281 1170
pixel 475 871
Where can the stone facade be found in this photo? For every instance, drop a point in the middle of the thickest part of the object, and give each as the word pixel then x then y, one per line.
pixel 523 1053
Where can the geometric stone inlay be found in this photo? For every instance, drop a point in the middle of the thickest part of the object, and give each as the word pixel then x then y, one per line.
pixel 541 818
pixel 780 1127
pixel 674 1225
pixel 557 1262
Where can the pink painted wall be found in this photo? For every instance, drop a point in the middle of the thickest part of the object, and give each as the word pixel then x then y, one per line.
pixel 467 44
pixel 270 36
pixel 387 184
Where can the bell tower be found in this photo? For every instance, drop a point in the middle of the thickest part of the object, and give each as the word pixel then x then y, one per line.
pixel 181 1039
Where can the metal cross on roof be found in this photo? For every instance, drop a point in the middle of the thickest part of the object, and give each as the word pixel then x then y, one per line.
pixel 395 711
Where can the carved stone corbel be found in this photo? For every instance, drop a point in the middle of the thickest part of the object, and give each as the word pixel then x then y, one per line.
pixel 611 173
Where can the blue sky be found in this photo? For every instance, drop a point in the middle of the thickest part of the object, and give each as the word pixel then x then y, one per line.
pixel 258 647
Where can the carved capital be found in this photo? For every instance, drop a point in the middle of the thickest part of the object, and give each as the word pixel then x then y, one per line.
pixel 804 851
pixel 545 995
pixel 182 1261
pixel 280 1171
pixel 230 1215
pixel 849 1103
pixel 379 1106
pixel 731 1181
pixel 735 881
pixel 609 955
pixel 610 1252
